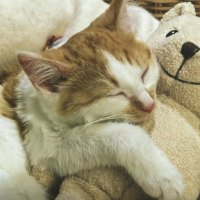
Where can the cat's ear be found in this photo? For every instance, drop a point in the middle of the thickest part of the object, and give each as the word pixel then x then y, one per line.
pixel 116 17
pixel 43 73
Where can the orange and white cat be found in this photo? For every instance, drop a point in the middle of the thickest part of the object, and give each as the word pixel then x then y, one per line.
pixel 81 103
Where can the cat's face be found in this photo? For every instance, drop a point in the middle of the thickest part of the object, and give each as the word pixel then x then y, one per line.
pixel 101 73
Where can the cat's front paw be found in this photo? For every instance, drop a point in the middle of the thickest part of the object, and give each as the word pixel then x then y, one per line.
pixel 165 183
pixel 20 187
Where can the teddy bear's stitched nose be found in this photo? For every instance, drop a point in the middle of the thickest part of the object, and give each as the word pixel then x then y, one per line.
pixel 189 49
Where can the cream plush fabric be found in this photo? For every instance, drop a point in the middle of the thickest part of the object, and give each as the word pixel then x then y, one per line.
pixel 26 25
pixel 176 123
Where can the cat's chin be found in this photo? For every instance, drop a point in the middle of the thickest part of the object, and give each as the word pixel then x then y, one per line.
pixel 139 117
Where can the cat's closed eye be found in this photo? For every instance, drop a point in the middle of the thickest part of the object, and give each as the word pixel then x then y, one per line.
pixel 144 73
pixel 120 93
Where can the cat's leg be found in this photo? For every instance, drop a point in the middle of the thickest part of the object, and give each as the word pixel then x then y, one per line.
pixel 15 182
pixel 125 145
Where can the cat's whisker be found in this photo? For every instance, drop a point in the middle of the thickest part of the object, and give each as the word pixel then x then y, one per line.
pixel 123 116
pixel 111 117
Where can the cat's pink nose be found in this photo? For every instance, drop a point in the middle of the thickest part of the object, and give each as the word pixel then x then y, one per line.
pixel 148 107
pixel 147 103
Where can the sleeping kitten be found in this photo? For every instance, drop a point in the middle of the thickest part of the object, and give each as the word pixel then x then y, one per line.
pixel 80 105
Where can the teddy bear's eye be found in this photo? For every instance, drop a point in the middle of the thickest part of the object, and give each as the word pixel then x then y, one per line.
pixel 171 33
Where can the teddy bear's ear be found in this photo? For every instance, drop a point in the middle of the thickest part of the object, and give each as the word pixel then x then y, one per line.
pixel 178 10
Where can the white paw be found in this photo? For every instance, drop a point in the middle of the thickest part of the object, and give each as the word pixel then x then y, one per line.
pixel 164 183
pixel 20 187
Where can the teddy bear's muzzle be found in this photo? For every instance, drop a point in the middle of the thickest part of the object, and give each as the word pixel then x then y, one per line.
pixel 188 51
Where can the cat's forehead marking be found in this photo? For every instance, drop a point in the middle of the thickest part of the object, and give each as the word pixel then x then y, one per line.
pixel 128 76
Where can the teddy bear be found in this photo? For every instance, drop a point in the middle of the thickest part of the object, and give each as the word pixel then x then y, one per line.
pixel 177 49
pixel 175 127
